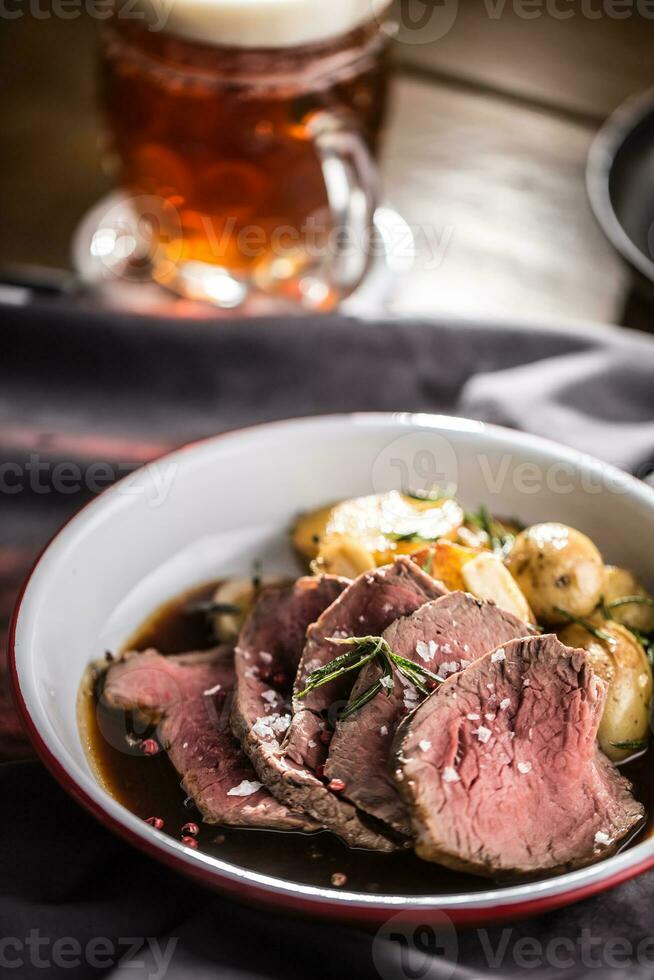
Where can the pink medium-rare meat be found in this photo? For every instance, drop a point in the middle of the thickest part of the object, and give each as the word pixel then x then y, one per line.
pixel 445 636
pixel 188 695
pixel 367 606
pixel 501 770
pixel 267 654
pixel 370 604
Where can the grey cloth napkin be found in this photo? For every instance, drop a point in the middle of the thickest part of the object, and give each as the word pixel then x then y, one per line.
pixel 81 387
pixel 600 401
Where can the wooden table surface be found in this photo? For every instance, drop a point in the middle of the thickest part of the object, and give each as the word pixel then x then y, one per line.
pixel 485 148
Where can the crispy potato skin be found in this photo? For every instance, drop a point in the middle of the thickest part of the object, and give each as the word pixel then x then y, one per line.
pixel 623 664
pixel 618 583
pixel 557 566
pixel 448 559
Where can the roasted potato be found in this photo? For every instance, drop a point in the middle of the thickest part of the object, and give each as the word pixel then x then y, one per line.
pixel 309 531
pixel 384 525
pixel 623 664
pixel 557 568
pixel 486 578
pixel 341 554
pixel 444 560
pixel 620 584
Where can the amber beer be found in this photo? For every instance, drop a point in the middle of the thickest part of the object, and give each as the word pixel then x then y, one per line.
pixel 254 126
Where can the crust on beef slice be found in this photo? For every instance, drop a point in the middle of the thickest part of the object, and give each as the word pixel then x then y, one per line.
pixel 267 654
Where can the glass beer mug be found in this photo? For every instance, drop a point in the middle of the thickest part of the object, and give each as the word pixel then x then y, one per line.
pixel 245 132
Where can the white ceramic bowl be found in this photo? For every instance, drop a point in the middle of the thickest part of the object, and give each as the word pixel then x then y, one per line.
pixel 210 509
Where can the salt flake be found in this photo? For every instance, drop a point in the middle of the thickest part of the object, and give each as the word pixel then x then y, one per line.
pixel 422 649
pixel 245 788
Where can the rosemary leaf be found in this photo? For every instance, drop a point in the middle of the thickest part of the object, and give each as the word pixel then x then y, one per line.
pixel 595 631
pixel 359 702
pixel 387 681
pixel 412 666
pixel 334 669
pixel 428 563
pixel 413 679
pixel 412 536
pixel 366 649
pixel 500 540
pixel 635 744
pixel 627 600
pixel 604 609
pixel 646 640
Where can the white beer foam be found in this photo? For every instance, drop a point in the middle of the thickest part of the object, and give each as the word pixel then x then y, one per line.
pixel 260 23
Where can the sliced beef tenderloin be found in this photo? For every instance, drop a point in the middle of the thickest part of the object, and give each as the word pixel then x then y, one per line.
pixel 501 769
pixel 367 606
pixel 444 636
pixel 370 604
pixel 266 659
pixel 188 695
pixel 268 652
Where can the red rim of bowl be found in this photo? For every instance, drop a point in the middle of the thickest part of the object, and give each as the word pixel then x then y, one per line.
pixel 344 906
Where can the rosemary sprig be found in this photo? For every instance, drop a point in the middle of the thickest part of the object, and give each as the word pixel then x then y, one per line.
pixel 500 540
pixel 364 650
pixel 360 702
pixel 414 672
pixel 428 563
pixel 337 667
pixel 635 744
pixel 595 631
pixel 628 600
pixel 646 640
pixel 412 536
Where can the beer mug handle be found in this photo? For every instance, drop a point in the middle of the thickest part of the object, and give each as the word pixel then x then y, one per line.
pixel 351 181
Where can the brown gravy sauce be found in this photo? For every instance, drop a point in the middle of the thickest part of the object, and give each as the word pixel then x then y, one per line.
pixel 150 787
